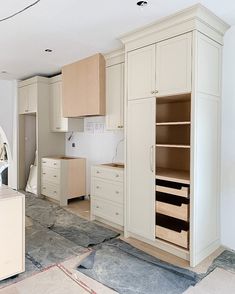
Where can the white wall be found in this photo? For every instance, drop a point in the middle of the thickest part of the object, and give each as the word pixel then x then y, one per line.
pixel 8 123
pixel 96 144
pixel 228 143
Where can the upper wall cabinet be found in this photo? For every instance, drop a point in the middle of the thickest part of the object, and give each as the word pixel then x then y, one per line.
pixel 141 73
pixel 161 69
pixel 83 87
pixel 57 122
pixel 114 96
pixel 173 65
pixel 28 98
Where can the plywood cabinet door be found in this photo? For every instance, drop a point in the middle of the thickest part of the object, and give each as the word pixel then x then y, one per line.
pixel 141 168
pixel 141 73
pixel 83 87
pixel 173 65
pixel 114 96
pixel 58 122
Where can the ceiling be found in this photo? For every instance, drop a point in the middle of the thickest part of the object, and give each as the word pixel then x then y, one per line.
pixel 75 29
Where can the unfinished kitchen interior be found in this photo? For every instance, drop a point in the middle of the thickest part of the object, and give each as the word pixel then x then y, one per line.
pixel 117 156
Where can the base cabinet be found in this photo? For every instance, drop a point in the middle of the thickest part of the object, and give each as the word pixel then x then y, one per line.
pixel 63 178
pixel 12 232
pixel 107 194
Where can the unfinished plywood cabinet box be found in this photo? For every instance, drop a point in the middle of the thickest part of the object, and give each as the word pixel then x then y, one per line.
pixel 83 87
pixel 173 87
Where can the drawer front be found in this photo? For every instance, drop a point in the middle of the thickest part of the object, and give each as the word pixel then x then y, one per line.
pixel 180 239
pixel 50 190
pixel 114 174
pixel 108 190
pixel 50 162
pixel 183 192
pixel 180 212
pixel 108 211
pixel 51 175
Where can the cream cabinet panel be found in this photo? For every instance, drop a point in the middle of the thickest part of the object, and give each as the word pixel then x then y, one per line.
pixel 141 73
pixel 141 168
pixel 59 123
pixel 114 96
pixel 173 65
pixel 12 231
pixel 28 99
pixel 32 98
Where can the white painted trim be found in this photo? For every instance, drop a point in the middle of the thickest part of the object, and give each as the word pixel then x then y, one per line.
pixel 115 57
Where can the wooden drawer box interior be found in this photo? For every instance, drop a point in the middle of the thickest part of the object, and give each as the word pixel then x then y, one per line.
pixel 172 188
pixel 177 207
pixel 172 230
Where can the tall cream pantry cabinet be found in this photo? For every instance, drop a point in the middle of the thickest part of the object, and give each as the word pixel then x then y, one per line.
pixel 173 89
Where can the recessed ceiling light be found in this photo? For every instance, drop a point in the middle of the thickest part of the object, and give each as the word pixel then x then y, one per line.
pixel 142 3
pixel 48 50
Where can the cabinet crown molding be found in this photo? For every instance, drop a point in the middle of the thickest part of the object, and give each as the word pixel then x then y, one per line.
pixel 196 17
pixel 115 57
pixel 33 80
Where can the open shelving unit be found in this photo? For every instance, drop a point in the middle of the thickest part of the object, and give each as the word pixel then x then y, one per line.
pixel 173 125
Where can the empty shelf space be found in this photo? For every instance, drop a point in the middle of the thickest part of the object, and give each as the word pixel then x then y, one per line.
pixel 173 175
pixel 173 135
pixel 172 123
pixel 173 146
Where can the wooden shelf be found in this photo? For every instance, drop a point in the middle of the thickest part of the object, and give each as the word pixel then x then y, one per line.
pixel 177 176
pixel 173 146
pixel 177 123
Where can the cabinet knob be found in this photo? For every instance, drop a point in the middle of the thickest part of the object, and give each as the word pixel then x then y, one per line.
pixel 117 192
pixel 152 92
pixel 155 92
pixel 120 127
pixel 55 176
pixel 117 175
pixel 58 128
pixel 43 173
pixel 97 172
pixel 55 192
pixel 117 213
pixel 97 187
pixel 97 206
pixel 44 188
pixel 55 163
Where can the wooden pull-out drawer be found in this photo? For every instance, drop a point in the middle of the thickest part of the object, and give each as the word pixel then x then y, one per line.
pixel 180 212
pixel 111 191
pixel 172 230
pixel 50 190
pixel 108 211
pixel 177 238
pixel 172 188
pixel 51 175
pixel 106 173
pixel 174 206
pixel 50 162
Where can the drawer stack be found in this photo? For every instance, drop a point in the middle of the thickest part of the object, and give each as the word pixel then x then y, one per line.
pixel 50 178
pixel 107 194
pixel 63 178
pixel 172 212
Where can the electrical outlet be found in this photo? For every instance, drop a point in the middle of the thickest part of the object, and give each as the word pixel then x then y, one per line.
pixel 73 145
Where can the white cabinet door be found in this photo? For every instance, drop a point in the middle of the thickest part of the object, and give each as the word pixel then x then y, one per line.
pixel 141 73
pixel 114 96
pixel 12 236
pixel 58 122
pixel 23 100
pixel 141 168
pixel 32 98
pixel 173 65
pixel 28 99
